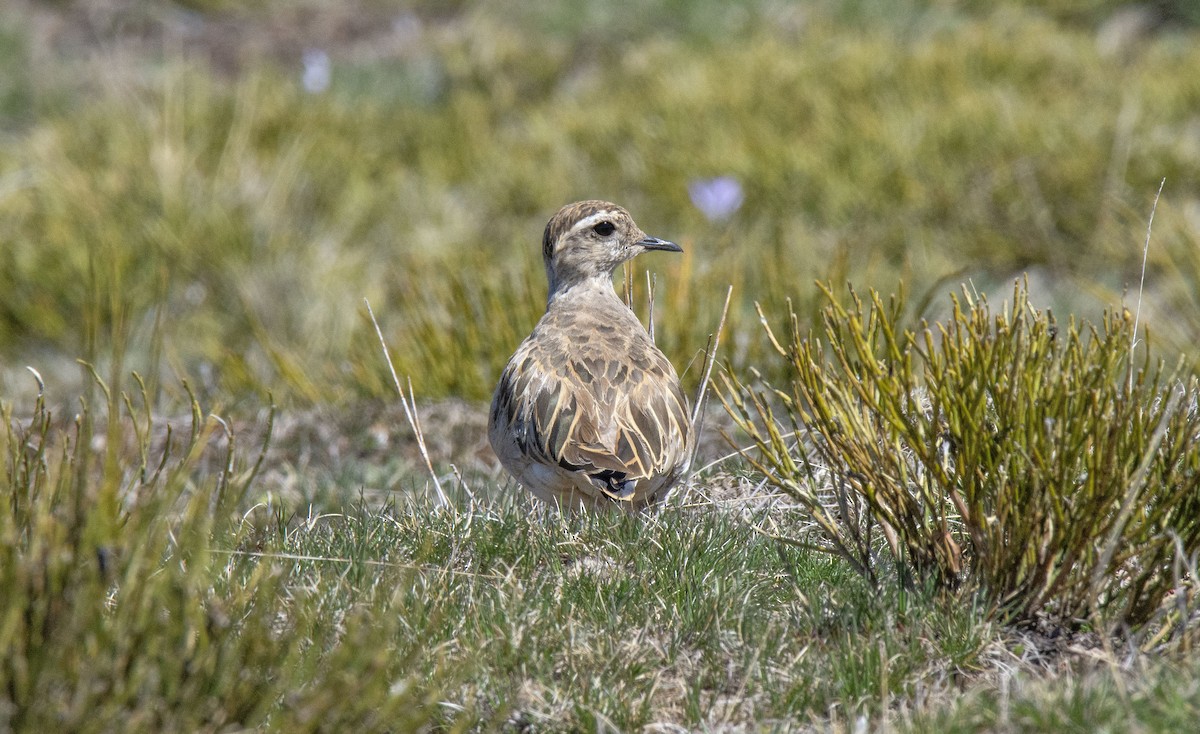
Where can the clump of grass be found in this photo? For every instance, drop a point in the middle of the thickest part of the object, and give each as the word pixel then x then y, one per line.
pixel 1155 696
pixel 124 610
pixel 1025 458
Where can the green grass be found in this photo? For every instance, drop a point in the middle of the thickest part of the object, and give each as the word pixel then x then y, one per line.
pixel 141 599
pixel 1154 697
pixel 125 610
pixel 149 600
pixel 173 202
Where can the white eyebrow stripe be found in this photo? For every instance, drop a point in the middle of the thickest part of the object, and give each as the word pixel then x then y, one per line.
pixel 592 221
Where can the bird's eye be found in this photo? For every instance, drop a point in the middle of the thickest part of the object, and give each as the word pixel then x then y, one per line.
pixel 604 229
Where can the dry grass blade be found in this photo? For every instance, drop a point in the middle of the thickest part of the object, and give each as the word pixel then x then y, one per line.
pixel 408 402
pixel 710 358
pixel 1137 316
pixel 650 283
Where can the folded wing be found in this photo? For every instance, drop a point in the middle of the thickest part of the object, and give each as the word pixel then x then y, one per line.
pixel 613 420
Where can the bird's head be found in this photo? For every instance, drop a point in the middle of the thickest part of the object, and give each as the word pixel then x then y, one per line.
pixel 589 239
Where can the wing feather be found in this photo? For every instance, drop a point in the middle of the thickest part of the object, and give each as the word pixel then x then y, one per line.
pixel 619 420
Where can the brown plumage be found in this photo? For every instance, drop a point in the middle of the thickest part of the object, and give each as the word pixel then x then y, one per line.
pixel 588 411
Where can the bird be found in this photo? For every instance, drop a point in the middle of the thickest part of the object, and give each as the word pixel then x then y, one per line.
pixel 589 413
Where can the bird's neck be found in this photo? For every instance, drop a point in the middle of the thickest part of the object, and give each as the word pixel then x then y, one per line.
pixel 564 291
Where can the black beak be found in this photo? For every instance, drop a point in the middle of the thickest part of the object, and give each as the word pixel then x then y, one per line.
pixel 654 243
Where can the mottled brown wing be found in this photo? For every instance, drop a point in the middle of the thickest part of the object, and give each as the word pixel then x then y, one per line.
pixel 647 430
pixel 536 405
pixel 628 421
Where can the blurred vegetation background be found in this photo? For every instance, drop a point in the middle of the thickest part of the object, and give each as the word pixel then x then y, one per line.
pixel 209 189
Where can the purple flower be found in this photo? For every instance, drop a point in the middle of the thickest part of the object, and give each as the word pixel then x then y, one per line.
pixel 716 198
pixel 317 70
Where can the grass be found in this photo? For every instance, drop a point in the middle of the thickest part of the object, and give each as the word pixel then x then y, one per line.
pixel 1038 462
pixel 1152 702
pixel 231 224
pixel 175 609
pixel 125 610
pixel 175 205
pixel 139 597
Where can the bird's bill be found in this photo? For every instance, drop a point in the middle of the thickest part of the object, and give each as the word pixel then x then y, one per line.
pixel 654 243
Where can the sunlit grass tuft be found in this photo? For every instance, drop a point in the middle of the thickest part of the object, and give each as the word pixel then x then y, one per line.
pixel 125 610
pixel 1030 460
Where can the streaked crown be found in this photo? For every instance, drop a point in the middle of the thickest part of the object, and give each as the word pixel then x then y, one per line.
pixel 589 239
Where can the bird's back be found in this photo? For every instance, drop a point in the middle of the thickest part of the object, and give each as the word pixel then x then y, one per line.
pixel 589 411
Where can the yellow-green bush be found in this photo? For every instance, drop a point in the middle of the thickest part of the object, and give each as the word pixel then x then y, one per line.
pixel 1034 461
pixel 127 607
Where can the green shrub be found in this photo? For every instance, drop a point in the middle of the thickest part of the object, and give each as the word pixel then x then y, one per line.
pixel 124 610
pixel 1000 451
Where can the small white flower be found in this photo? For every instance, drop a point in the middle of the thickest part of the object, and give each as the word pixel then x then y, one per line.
pixel 317 71
pixel 717 198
